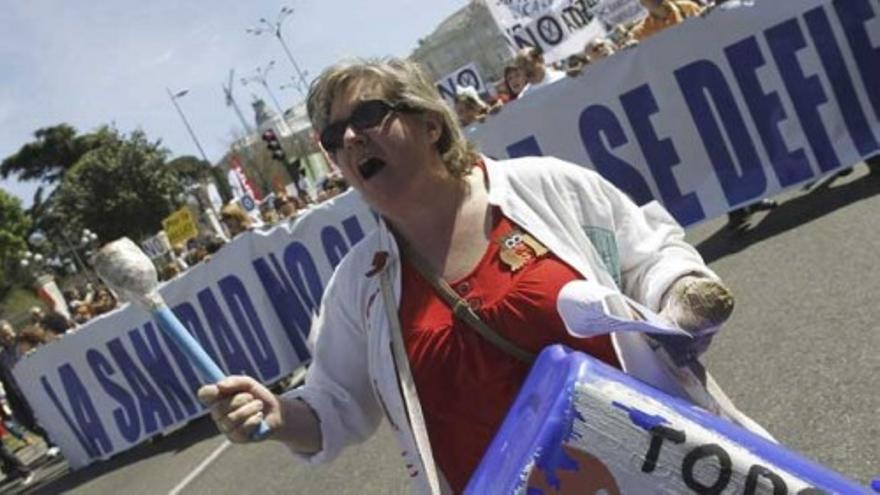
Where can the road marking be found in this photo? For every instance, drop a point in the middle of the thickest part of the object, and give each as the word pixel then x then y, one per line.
pixel 295 380
pixel 201 467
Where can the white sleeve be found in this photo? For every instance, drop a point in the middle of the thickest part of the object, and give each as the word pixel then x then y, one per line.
pixel 653 252
pixel 337 385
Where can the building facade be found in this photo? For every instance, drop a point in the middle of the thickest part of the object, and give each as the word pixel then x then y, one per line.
pixel 468 35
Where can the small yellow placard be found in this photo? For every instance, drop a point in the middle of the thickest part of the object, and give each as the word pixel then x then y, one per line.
pixel 180 226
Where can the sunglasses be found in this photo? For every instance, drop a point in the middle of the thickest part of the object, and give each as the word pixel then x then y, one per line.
pixel 365 116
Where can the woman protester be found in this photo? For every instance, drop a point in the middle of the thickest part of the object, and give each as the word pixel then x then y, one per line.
pixel 599 48
pixel 285 206
pixel 505 235
pixel 235 219
pixel 469 107
pixel 515 81
pixel 13 348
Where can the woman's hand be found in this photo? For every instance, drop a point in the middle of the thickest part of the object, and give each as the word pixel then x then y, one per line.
pixel 238 404
pixel 697 304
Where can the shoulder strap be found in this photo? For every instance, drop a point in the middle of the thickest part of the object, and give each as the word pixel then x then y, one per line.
pixel 408 388
pixel 461 309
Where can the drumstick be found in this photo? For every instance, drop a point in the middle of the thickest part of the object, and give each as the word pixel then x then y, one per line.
pixel 127 270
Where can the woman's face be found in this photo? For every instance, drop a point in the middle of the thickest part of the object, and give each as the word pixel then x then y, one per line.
pixel 287 209
pixel 382 161
pixel 467 113
pixel 600 49
pixel 516 80
pixel 233 224
pixel 269 215
pixel 7 335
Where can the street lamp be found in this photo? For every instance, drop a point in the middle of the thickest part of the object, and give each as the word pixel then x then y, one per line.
pixel 206 207
pixel 33 260
pixel 37 238
pixel 38 264
pixel 87 241
pixel 29 258
pixel 260 77
pixel 230 102
pixel 292 84
pixel 174 97
pixel 264 26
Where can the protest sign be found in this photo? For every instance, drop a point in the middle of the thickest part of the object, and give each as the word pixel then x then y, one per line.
pixel 463 77
pixel 156 245
pixel 557 27
pixel 180 226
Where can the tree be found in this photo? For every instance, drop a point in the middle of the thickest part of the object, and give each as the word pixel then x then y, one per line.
pixel 190 169
pixel 55 151
pixel 14 225
pixel 122 188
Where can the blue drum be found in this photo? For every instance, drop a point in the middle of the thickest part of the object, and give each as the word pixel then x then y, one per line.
pixel 581 426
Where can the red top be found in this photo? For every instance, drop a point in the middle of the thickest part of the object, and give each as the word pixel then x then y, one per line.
pixel 465 384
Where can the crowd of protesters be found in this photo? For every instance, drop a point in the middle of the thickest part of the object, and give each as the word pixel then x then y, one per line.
pixel 85 303
pixel 528 72
pixel 279 206
pixel 17 419
pixel 276 208
pixel 184 256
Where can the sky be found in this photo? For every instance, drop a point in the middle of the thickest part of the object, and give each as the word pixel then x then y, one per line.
pixel 90 63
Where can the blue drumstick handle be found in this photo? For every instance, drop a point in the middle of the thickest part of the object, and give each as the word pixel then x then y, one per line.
pixel 206 366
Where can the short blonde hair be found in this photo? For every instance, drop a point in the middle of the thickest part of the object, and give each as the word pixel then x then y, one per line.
pixel 527 56
pixel 469 96
pixel 234 211
pixel 402 82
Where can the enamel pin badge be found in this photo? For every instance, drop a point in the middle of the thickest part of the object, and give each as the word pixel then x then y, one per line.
pixel 519 248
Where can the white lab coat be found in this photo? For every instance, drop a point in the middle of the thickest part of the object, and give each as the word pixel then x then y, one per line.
pixel 354 382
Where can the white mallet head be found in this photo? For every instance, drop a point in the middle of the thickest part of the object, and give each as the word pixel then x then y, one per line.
pixel 127 270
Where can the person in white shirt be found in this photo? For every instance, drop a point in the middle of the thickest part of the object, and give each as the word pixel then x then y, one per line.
pixel 465 218
pixel 531 61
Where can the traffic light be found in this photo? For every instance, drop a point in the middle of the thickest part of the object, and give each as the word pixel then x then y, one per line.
pixel 294 168
pixel 274 146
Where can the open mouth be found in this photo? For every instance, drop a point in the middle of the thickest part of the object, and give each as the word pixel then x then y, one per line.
pixel 369 167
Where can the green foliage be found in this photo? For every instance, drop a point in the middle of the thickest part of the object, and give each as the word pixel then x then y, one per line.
pixel 14 225
pixel 219 176
pixel 54 151
pixel 16 303
pixel 190 169
pixel 122 188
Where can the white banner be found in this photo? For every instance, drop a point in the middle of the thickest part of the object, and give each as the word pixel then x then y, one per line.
pixel 464 77
pixel 717 112
pixel 118 381
pixel 558 27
